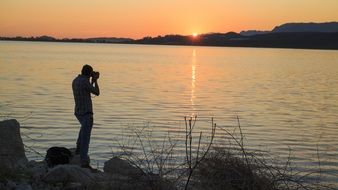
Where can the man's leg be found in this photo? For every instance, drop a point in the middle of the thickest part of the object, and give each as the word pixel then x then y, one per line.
pixel 78 142
pixel 86 128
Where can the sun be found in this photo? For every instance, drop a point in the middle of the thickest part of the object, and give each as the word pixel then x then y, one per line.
pixel 194 34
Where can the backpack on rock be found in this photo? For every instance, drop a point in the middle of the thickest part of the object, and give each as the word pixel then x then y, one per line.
pixel 58 155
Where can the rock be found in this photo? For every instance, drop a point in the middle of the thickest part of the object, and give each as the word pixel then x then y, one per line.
pixel 40 186
pixel 153 181
pixel 12 152
pixel 66 174
pixel 109 181
pixel 23 187
pixel 117 165
pixel 11 185
pixel 75 160
pixel 124 176
pixel 37 169
pixel 74 186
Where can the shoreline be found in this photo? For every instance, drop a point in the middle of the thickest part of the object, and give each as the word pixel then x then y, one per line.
pixel 217 167
pixel 81 41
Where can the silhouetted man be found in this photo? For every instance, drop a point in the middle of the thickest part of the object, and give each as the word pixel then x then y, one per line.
pixel 82 90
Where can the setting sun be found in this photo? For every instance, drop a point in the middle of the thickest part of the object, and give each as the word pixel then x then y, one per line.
pixel 194 34
pixel 87 19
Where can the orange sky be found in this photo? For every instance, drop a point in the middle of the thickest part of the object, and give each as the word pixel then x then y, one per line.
pixel 139 18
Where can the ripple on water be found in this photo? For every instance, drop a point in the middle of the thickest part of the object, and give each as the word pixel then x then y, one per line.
pixel 286 99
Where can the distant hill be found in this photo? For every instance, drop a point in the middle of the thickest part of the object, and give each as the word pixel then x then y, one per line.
pixel 109 40
pixel 203 39
pixel 304 40
pixel 83 40
pixel 297 27
pixel 253 32
pixel 307 27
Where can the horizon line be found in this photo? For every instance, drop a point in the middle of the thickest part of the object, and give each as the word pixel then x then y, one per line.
pixel 159 35
pixel 61 38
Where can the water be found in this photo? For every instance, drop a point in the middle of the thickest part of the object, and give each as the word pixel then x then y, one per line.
pixel 286 99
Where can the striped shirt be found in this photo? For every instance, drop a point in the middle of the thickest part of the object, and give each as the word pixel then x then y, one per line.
pixel 81 90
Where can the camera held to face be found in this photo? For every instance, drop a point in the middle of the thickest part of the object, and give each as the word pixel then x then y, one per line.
pixel 95 75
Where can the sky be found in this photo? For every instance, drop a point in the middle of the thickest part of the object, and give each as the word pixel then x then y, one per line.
pixel 140 18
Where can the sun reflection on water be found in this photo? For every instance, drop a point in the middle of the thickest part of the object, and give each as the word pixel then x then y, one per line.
pixel 193 82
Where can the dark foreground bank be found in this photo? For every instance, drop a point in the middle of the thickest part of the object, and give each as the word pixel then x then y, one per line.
pixel 16 172
pixel 210 168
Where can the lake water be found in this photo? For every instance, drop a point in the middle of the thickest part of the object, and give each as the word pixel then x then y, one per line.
pixel 286 99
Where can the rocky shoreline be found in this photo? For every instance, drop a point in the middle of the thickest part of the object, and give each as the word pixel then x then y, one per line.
pixel 231 168
pixel 16 172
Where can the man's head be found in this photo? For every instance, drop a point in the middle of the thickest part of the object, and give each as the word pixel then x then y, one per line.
pixel 87 70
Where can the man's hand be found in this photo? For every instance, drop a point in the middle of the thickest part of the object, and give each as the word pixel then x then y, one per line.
pixel 96 75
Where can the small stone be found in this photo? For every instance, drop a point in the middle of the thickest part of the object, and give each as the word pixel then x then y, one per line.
pixel 23 187
pixel 67 174
pixel 74 186
pixel 75 160
pixel 117 165
pixel 37 169
pixel 11 185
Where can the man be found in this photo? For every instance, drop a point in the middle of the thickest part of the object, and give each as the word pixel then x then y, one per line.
pixel 82 90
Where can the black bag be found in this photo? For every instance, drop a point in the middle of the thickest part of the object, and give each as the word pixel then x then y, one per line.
pixel 57 155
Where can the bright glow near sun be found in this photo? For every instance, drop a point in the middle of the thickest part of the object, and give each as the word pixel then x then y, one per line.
pixel 194 34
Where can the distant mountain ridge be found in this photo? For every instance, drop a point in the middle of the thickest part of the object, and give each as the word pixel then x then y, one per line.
pixel 326 27
pixel 253 32
pixel 307 27
pixel 303 40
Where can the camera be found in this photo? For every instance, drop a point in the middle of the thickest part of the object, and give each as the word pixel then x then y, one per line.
pixel 95 75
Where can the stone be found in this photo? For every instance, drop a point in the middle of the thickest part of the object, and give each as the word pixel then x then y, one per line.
pixel 67 174
pixel 125 176
pixel 75 160
pixel 74 186
pixel 11 185
pixel 153 181
pixel 117 165
pixel 37 169
pixel 12 152
pixel 23 187
pixel 40 186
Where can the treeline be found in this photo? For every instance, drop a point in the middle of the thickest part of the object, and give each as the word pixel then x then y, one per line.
pixel 304 40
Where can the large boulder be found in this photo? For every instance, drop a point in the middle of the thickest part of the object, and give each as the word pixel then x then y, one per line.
pixel 36 169
pixel 12 152
pixel 67 174
pixel 117 165
pixel 125 176
pixel 75 160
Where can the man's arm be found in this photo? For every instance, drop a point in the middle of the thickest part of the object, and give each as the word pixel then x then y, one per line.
pixel 95 88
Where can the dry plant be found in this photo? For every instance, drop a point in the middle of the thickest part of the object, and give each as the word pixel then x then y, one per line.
pixel 236 168
pixel 160 159
pixel 155 160
pixel 193 162
pixel 226 166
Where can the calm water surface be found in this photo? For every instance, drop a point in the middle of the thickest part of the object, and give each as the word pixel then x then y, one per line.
pixel 286 99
